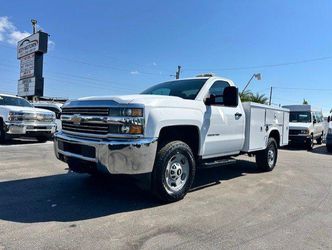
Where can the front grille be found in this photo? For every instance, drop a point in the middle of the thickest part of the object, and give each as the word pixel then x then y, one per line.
pixel 95 111
pixel 90 128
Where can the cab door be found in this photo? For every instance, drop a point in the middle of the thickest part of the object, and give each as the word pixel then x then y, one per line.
pixel 223 127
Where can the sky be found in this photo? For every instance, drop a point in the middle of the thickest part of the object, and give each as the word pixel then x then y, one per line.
pixel 123 47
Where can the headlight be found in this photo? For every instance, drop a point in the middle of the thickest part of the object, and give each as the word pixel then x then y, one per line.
pixel 127 112
pixel 15 116
pixel 304 131
pixel 129 120
pixel 329 131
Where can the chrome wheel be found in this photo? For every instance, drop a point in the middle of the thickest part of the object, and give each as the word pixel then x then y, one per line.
pixel 270 157
pixel 176 173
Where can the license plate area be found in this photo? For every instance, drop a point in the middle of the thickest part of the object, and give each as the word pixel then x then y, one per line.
pixel 84 150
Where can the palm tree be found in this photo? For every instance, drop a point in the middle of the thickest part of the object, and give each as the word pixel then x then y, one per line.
pixel 248 96
pixel 259 98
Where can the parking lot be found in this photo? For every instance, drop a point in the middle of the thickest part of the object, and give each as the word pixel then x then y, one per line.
pixel 43 205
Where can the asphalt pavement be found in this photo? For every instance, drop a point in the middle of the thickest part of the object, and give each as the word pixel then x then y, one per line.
pixel 45 206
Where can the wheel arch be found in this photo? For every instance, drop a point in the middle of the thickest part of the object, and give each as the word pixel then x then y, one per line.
pixel 275 134
pixel 186 133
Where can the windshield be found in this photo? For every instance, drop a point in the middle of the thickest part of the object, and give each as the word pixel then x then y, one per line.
pixel 300 116
pixel 186 89
pixel 14 101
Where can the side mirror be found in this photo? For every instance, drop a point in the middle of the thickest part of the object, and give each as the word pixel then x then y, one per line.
pixel 315 121
pixel 210 100
pixel 328 118
pixel 231 96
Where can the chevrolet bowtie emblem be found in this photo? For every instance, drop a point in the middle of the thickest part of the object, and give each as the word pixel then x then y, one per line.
pixel 76 119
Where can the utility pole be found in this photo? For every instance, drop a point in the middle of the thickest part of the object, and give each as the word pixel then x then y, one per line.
pixel 270 95
pixel 177 73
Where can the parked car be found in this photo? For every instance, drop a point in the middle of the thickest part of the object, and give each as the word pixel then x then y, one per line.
pixel 54 107
pixel 329 134
pixel 305 125
pixel 168 131
pixel 18 118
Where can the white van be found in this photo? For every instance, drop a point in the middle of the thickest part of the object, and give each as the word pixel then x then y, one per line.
pixel 305 125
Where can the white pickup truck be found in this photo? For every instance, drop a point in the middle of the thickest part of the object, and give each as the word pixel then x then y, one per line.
pixel 18 118
pixel 168 131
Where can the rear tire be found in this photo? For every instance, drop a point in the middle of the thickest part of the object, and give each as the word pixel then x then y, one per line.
pixel 174 171
pixel 267 158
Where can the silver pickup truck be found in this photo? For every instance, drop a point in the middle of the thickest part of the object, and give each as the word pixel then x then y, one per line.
pixel 18 118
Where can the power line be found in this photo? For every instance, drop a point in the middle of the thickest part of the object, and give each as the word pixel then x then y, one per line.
pixel 265 65
pixel 79 78
pixel 93 64
pixel 306 89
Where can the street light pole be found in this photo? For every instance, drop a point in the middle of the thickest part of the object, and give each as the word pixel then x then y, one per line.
pixel 257 76
pixel 270 95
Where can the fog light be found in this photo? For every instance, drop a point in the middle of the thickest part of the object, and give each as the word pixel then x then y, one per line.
pixel 136 129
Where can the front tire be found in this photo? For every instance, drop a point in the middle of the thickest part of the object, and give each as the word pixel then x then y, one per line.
pixel 319 140
pixel 2 133
pixel 329 148
pixel 267 158
pixel 174 171
pixel 310 143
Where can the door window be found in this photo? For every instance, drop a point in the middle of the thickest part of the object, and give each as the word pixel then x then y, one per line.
pixel 217 89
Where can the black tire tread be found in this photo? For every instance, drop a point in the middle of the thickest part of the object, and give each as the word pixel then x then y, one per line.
pixel 261 157
pixel 329 148
pixel 2 132
pixel 162 155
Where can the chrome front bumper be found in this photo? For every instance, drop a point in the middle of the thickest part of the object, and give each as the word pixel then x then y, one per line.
pixel 118 156
pixel 24 128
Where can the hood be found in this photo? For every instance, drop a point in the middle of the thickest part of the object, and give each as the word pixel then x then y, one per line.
pixel 151 100
pixel 26 109
pixel 299 125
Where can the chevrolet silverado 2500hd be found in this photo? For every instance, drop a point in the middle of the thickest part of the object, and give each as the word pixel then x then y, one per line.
pixel 168 131
pixel 18 118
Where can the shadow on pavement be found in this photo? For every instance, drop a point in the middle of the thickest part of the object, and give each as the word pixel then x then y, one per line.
pixel 318 149
pixel 20 141
pixel 321 150
pixel 74 197
pixel 214 176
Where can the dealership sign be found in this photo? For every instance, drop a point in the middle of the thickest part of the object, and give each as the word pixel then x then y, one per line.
pixel 30 52
pixel 26 87
pixel 35 43
pixel 27 66
pixel 29 87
